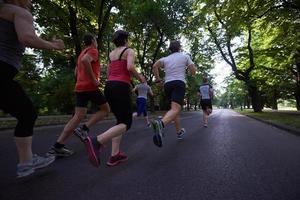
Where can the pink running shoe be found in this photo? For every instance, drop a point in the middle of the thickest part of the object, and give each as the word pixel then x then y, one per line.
pixel 117 159
pixel 93 152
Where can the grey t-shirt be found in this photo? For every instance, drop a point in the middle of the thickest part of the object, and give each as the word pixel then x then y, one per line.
pixel 143 90
pixel 175 65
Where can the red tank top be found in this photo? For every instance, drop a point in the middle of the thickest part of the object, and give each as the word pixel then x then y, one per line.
pixel 118 70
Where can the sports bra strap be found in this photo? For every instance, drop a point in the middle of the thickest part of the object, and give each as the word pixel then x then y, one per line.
pixel 122 53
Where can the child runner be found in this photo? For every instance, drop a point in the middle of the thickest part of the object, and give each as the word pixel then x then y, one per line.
pixel 174 66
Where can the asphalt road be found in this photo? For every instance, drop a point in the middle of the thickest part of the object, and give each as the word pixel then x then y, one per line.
pixel 234 158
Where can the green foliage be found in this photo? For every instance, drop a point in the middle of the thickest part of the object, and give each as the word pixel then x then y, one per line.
pixel 258 39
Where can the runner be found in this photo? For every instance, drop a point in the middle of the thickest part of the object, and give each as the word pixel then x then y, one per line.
pixel 16 32
pixel 118 94
pixel 206 94
pixel 87 75
pixel 142 90
pixel 174 66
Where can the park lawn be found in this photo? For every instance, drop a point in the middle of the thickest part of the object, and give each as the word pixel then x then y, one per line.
pixel 288 119
pixel 41 121
pixel 8 123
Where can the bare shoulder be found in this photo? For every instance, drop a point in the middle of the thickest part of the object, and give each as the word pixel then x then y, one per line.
pixel 129 51
pixel 9 12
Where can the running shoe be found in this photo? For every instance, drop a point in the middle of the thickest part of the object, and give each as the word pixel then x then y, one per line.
pixel 158 132
pixel 117 159
pixel 60 152
pixel 181 134
pixel 81 133
pixel 93 151
pixel 37 162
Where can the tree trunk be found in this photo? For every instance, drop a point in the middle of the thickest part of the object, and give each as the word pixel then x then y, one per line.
pixel 255 97
pixel 297 96
pixel 297 91
pixel 274 104
pixel 73 28
pixel 152 104
pixel 188 104
pixel 102 23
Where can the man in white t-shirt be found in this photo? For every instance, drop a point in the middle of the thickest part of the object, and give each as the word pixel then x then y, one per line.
pixel 174 66
pixel 206 94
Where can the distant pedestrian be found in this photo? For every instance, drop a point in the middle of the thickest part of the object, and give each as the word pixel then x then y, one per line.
pixel 142 89
pixel 205 93
pixel 175 66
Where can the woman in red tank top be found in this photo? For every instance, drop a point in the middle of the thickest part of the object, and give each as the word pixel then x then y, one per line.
pixel 118 94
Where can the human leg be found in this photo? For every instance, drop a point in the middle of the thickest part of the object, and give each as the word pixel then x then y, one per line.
pixel 80 113
pixel 205 117
pixel 175 91
pixel 18 104
pixel 98 98
pixel 58 149
pixel 180 131
pixel 118 97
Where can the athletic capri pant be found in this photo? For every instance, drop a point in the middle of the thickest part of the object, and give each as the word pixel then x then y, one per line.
pixel 141 106
pixel 15 101
pixel 175 91
pixel 118 96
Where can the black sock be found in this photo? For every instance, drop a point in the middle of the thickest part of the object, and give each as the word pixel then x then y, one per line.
pixel 84 127
pixel 58 145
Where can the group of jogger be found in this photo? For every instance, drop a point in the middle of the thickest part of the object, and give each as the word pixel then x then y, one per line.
pixel 17 31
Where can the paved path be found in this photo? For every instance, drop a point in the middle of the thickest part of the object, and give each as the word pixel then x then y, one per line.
pixel 235 158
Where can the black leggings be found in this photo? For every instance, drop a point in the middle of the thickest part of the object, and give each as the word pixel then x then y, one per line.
pixel 15 101
pixel 118 96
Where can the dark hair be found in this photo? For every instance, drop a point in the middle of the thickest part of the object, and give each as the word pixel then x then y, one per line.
pixel 88 39
pixel 174 46
pixel 205 79
pixel 120 38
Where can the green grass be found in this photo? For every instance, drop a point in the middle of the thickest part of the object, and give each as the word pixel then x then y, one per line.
pixel 290 119
pixel 7 123
pixel 41 121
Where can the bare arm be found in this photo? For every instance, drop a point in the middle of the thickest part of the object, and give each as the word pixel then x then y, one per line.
pixel 192 69
pixel 211 93
pixel 23 22
pixel 130 64
pixel 199 94
pixel 151 92
pixel 157 65
pixel 86 61
pixel 134 89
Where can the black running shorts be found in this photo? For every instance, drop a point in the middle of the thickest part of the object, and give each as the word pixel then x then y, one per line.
pixel 205 103
pixel 175 91
pixel 96 97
